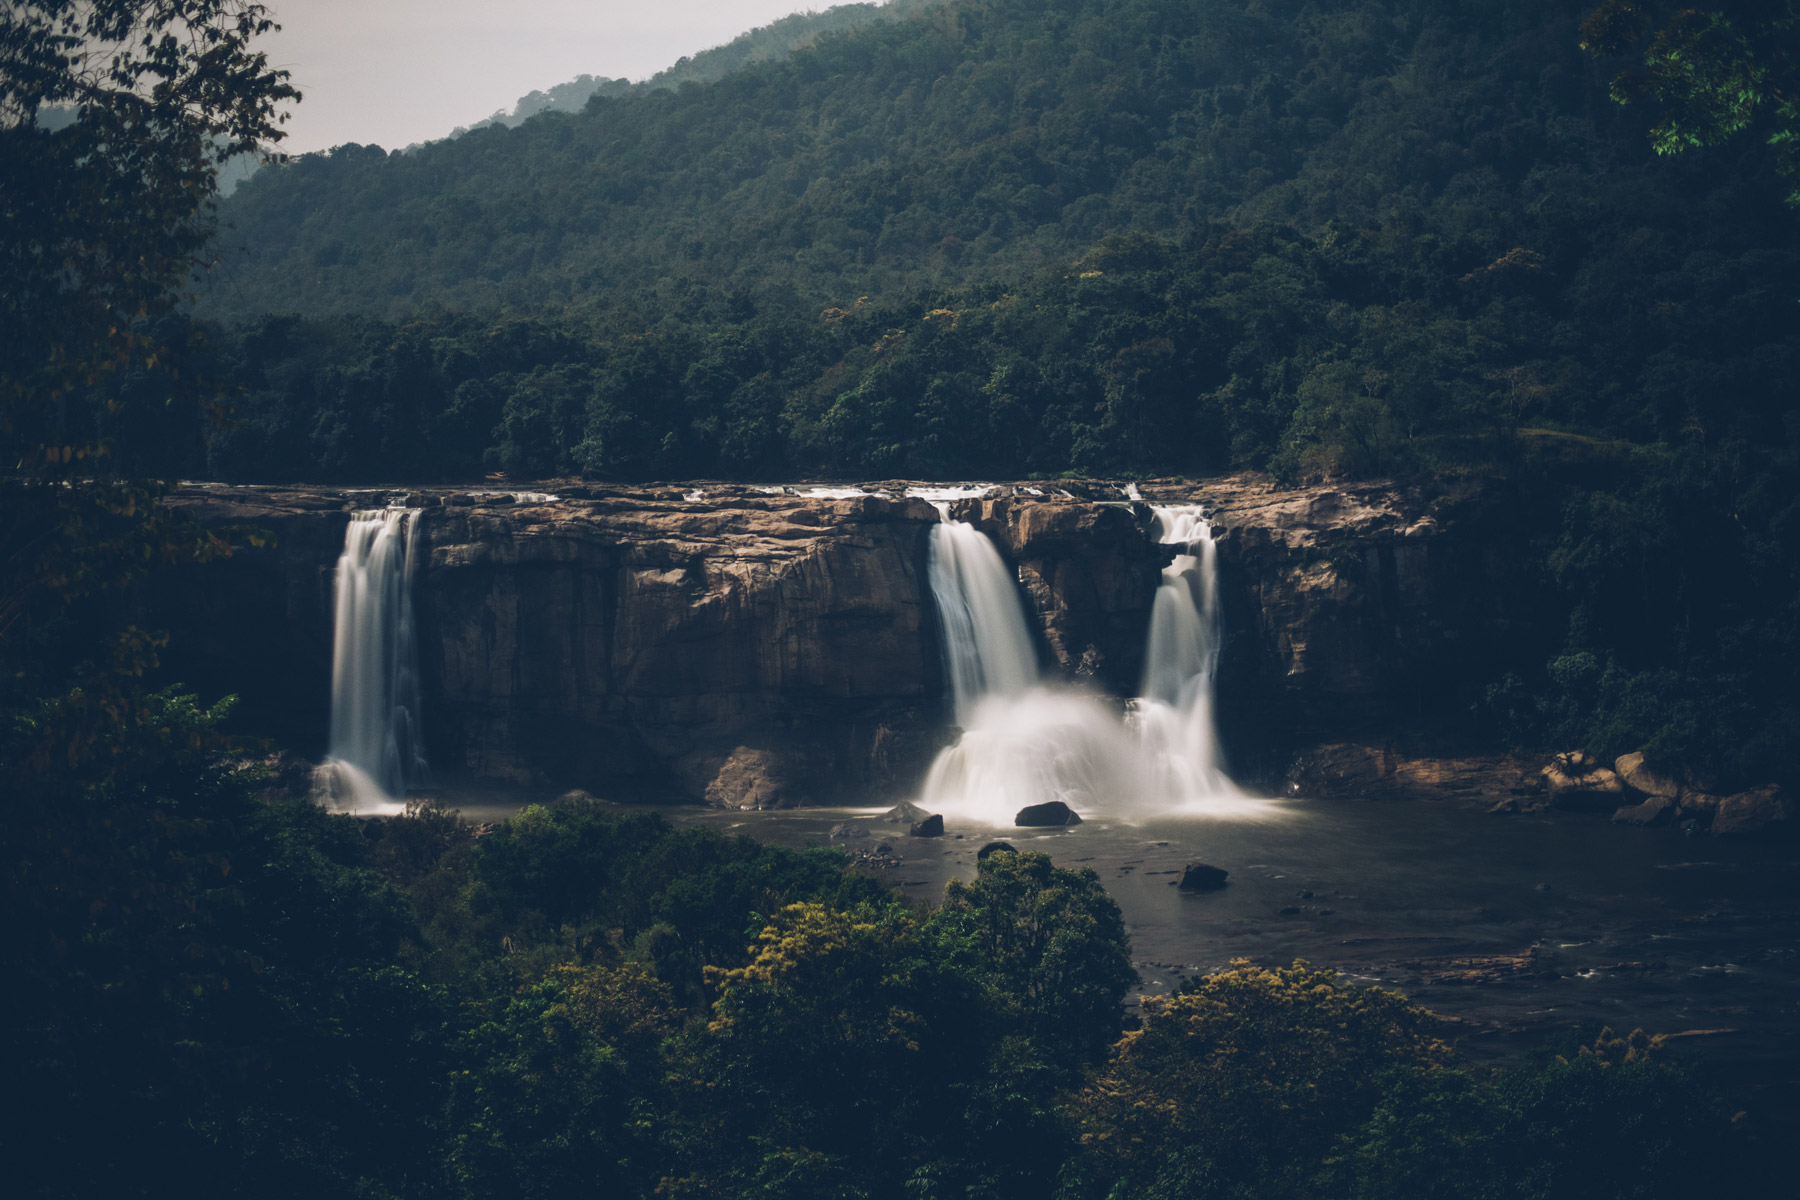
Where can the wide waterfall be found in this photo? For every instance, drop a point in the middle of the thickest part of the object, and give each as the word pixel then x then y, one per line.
pixel 1025 741
pixel 376 750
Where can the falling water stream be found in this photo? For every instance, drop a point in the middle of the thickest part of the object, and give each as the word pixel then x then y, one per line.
pixel 1174 710
pixel 1027 741
pixel 376 751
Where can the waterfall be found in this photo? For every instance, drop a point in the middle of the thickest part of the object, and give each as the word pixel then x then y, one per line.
pixel 1174 712
pixel 1025 742
pixel 1022 743
pixel 376 749
pixel 986 644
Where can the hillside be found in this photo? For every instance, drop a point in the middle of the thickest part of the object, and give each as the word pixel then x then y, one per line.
pixel 978 141
pixel 766 43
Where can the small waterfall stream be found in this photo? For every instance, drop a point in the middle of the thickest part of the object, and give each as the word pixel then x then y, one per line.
pixel 1174 711
pixel 986 642
pixel 1026 742
pixel 376 751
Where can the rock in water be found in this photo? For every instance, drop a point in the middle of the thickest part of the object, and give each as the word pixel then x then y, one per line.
pixel 1574 780
pixel 905 813
pixel 1657 810
pixel 1051 813
pixel 932 826
pixel 1752 811
pixel 1199 877
pixel 845 831
pixel 1642 778
pixel 994 848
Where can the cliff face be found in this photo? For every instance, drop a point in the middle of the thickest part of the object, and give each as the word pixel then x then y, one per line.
pixel 749 650
pixel 753 649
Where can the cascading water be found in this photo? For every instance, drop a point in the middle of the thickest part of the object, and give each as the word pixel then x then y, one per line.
pixel 986 643
pixel 1024 742
pixel 376 749
pixel 1174 713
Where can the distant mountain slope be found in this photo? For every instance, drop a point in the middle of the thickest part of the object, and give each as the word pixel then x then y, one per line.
pixel 981 139
pixel 766 43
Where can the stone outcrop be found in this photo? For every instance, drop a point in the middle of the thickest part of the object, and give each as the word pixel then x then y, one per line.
pixel 1764 809
pixel 1365 771
pixel 1575 780
pixel 1640 777
pixel 1657 810
pixel 1362 604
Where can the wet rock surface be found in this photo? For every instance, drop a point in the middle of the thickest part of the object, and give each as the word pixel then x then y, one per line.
pixel 1049 813
pixel 1201 877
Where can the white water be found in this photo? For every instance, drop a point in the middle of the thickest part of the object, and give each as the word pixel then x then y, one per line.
pixel 1026 742
pixel 1174 711
pixel 375 745
pixel 986 642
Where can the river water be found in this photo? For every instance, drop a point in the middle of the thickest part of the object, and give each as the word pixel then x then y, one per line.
pixel 1515 927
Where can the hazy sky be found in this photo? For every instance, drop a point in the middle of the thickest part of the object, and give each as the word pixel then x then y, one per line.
pixel 393 72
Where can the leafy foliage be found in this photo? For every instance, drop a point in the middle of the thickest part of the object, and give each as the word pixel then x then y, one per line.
pixel 1715 71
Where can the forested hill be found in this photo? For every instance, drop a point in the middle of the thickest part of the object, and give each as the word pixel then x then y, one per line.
pixel 980 141
pixel 766 43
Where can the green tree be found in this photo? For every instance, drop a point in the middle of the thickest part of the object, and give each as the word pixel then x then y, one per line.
pixel 1716 71
pixel 1048 945
pixel 1239 1083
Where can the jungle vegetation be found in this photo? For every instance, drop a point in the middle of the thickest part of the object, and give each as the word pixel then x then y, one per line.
pixel 1360 238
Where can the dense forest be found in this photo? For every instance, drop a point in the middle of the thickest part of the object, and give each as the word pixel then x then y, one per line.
pixel 583 1002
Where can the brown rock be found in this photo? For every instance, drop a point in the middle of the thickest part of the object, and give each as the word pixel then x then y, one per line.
pixel 1640 777
pixel 1763 809
pixel 932 826
pixel 1573 781
pixel 1699 805
pixel 904 813
pixel 1657 810
pixel 748 779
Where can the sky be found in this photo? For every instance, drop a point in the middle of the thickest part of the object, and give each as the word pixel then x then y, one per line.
pixel 393 72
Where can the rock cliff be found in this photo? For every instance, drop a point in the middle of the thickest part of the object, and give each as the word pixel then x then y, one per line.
pixel 755 647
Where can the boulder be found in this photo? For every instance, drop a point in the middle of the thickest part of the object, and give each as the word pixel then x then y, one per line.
pixel 1700 806
pixel 904 813
pixel 1574 780
pixel 1657 810
pixel 994 848
pixel 1764 808
pixel 1641 777
pixel 845 831
pixel 1199 877
pixel 748 778
pixel 1049 813
pixel 932 826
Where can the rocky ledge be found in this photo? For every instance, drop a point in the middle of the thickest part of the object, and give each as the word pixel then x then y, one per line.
pixel 769 646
